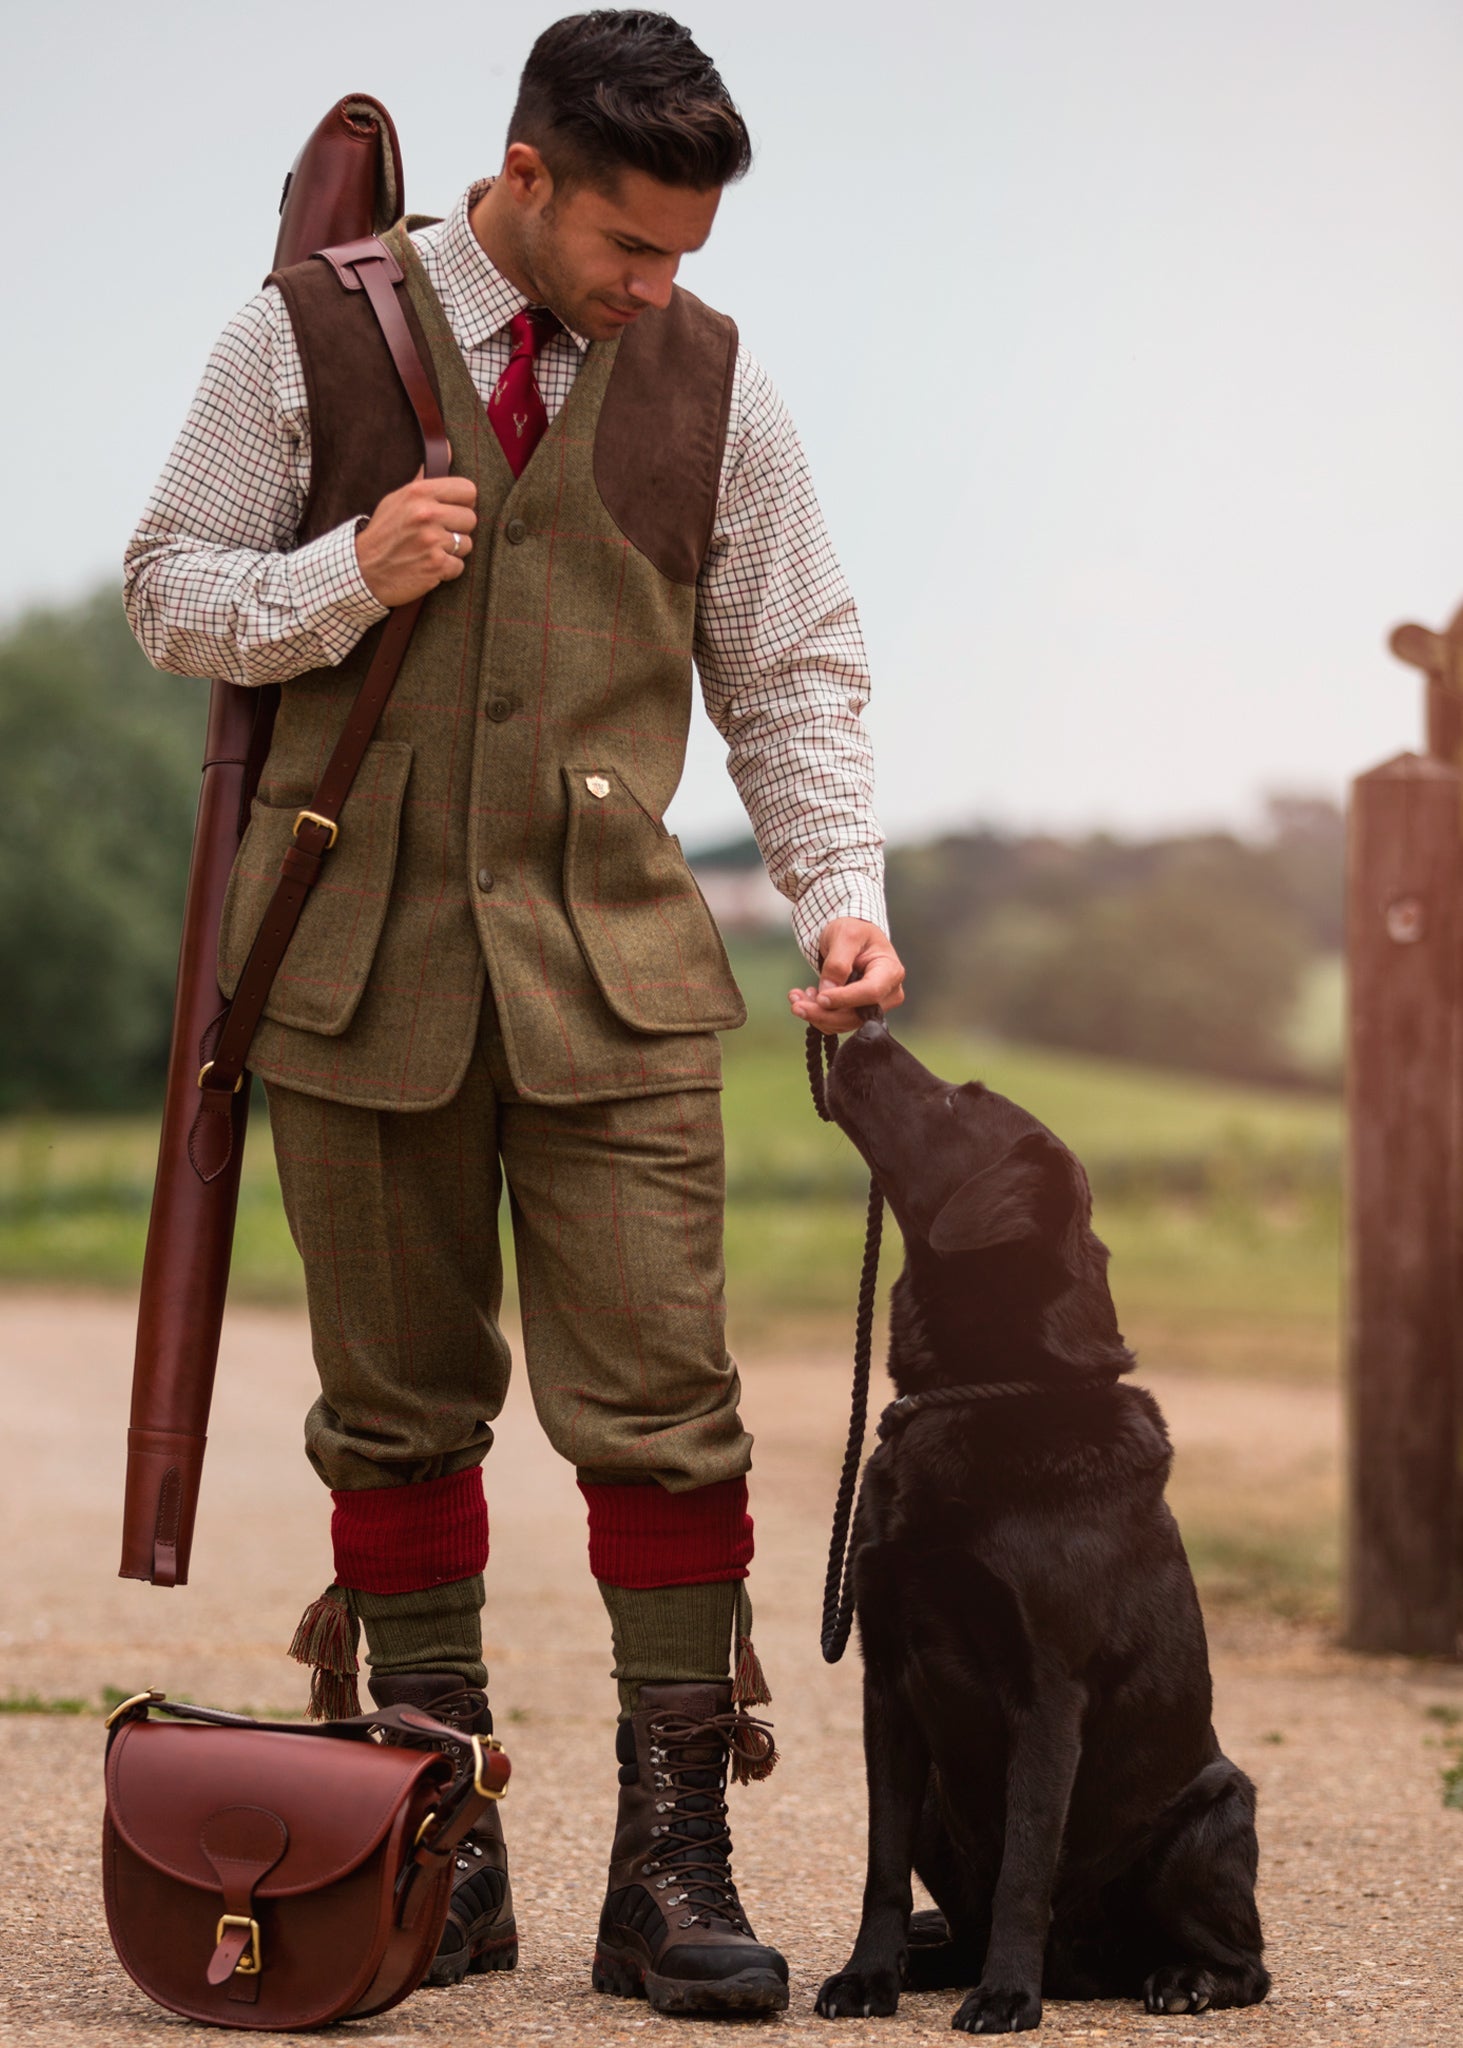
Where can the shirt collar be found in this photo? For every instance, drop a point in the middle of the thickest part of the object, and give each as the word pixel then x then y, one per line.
pixel 482 301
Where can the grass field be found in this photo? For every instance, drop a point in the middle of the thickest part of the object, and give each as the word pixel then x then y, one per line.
pixel 1220 1205
pixel 1219 1202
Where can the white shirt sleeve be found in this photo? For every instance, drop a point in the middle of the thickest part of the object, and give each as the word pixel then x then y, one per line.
pixel 784 674
pixel 213 582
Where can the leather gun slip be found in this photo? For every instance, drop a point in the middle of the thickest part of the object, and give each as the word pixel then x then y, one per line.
pixel 346 183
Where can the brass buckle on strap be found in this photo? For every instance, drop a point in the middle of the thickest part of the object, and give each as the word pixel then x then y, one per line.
pixel 252 1961
pixel 125 1706
pixel 314 818
pixel 480 1745
pixel 206 1068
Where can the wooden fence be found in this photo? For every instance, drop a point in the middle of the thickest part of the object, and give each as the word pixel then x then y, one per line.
pixel 1404 1334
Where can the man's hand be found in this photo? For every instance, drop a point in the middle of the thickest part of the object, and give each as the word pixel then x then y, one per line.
pixel 406 547
pixel 860 971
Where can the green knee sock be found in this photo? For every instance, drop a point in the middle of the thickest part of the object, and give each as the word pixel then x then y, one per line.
pixel 439 1628
pixel 669 1632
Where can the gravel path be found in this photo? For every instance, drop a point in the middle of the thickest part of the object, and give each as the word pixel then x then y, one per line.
pixel 1360 1861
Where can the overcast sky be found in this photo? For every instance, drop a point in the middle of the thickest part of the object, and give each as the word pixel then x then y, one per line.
pixel 1126 340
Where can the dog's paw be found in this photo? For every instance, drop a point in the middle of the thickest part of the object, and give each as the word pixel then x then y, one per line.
pixel 859 1995
pixel 928 1928
pixel 1178 1987
pixel 991 2010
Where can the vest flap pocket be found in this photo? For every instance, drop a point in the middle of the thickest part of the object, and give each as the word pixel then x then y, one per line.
pixel 322 976
pixel 641 922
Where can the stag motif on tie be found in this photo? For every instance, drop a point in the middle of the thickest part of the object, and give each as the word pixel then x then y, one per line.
pixel 516 408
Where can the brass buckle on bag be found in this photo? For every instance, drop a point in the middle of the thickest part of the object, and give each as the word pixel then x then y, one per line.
pixel 480 1745
pixel 314 818
pixel 252 1962
pixel 126 1706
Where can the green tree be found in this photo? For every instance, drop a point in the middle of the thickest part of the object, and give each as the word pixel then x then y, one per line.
pixel 99 767
pixel 1184 952
pixel 1179 973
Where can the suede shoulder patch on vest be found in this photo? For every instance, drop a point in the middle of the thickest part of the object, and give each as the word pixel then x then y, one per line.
pixel 662 432
pixel 364 439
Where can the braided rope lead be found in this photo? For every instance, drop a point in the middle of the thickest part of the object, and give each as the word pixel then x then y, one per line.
pixel 819 1048
pixel 837 1587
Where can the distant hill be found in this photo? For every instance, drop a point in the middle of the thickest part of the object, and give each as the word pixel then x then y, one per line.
pixel 1207 951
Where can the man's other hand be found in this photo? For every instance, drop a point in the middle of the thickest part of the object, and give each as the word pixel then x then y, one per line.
pixel 860 971
pixel 406 547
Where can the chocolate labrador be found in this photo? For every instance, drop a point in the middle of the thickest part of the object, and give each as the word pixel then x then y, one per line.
pixel 1036 1681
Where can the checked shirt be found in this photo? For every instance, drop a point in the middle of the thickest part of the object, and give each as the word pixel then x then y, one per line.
pixel 215 585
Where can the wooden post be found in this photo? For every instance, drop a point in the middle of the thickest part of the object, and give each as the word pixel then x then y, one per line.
pixel 1405 1201
pixel 1440 657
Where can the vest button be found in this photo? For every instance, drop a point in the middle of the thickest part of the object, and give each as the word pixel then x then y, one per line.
pixel 485 879
pixel 516 531
pixel 499 708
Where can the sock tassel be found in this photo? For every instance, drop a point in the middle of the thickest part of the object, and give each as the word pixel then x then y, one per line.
pixel 326 1639
pixel 753 1750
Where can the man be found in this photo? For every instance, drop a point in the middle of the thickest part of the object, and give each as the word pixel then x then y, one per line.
pixel 506 970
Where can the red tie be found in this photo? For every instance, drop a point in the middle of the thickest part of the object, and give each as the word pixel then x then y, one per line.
pixel 515 408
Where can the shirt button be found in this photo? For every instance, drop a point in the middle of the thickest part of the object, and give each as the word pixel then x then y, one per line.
pixel 499 708
pixel 516 531
pixel 485 879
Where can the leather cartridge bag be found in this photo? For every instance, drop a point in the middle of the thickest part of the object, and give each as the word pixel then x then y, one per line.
pixel 283 1876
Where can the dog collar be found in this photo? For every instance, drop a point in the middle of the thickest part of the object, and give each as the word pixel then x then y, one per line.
pixel 907 1406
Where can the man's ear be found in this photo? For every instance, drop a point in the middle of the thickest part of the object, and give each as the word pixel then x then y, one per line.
pixel 998 1206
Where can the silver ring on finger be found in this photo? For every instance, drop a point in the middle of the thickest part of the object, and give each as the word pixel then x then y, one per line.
pixel 456 543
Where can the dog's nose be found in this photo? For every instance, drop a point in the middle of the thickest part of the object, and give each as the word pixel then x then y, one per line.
pixel 871 1032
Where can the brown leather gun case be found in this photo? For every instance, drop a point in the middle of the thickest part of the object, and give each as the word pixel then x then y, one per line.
pixel 346 187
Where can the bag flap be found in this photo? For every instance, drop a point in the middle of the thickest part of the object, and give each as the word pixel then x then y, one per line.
pixel 336 1799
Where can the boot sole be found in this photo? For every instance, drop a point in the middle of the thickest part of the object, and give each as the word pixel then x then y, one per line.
pixel 749 1991
pixel 500 1953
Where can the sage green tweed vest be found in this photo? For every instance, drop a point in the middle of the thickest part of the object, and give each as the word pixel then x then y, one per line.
pixel 506 823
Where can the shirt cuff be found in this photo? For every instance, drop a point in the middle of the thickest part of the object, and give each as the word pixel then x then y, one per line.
pixel 331 597
pixel 847 893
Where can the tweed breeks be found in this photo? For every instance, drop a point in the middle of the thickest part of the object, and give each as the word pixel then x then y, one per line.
pixel 617 1225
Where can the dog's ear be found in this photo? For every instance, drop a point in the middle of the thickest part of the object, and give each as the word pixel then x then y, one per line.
pixel 997 1206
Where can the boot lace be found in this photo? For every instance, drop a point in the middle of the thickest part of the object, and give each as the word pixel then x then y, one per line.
pixel 689 1760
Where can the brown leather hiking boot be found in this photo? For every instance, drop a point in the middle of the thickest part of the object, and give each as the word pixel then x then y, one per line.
pixel 481 1933
pixel 672 1930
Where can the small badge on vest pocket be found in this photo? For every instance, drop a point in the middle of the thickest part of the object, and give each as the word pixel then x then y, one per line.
pixel 597 785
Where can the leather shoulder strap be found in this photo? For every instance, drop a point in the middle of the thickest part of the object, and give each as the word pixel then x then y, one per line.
pixel 365 432
pixel 367 266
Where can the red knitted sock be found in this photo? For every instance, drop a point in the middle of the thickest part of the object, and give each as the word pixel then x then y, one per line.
pixel 642 1536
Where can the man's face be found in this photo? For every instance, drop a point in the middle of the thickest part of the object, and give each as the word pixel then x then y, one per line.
pixel 600 258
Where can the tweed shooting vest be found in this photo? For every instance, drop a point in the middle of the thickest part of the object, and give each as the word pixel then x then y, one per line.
pixel 506 821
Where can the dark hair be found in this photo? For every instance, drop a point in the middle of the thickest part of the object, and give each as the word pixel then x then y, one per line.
pixel 620 89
